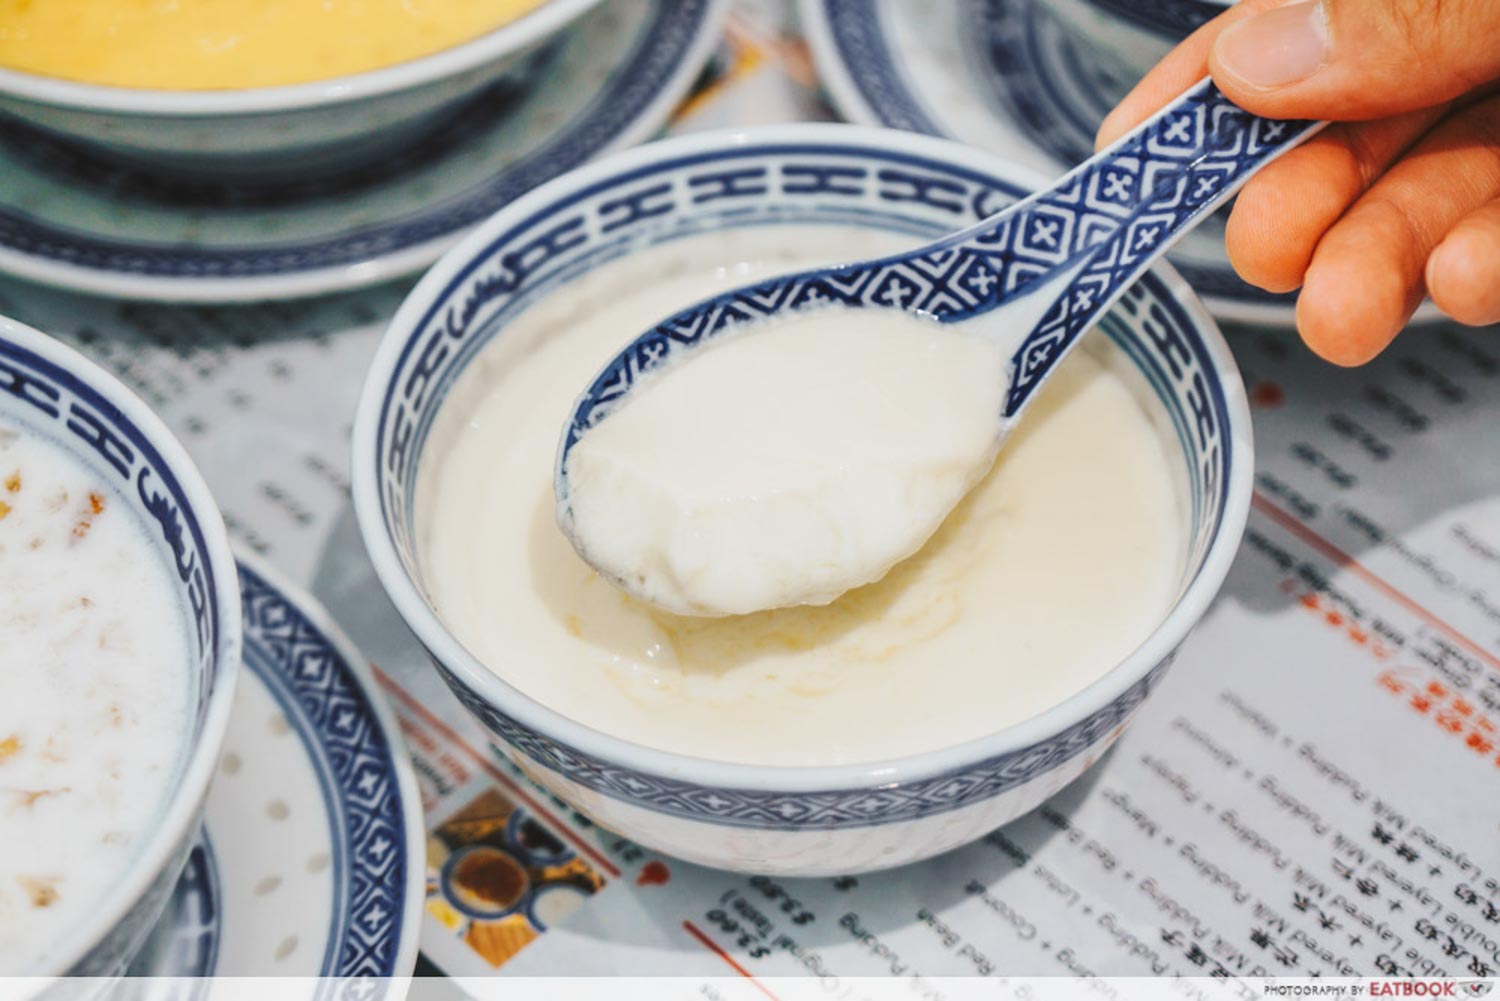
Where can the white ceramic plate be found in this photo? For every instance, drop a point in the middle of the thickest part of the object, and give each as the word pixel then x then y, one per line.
pixel 310 863
pixel 72 221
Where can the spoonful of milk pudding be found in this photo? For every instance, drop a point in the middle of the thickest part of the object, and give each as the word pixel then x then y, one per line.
pixel 787 467
pixel 842 413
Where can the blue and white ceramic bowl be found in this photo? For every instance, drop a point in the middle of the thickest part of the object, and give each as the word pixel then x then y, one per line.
pixel 1128 37
pixel 54 392
pixel 284 131
pixel 787 820
pixel 310 860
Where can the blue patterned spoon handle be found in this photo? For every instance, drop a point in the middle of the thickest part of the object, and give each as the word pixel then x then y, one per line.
pixel 1051 264
pixel 1085 240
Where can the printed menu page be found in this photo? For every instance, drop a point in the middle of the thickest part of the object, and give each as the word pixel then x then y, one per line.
pixel 1314 789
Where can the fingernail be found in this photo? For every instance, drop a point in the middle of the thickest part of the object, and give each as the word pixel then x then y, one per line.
pixel 1283 46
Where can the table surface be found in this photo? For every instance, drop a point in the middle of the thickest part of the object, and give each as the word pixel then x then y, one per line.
pixel 1313 791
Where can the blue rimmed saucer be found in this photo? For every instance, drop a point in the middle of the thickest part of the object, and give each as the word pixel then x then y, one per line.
pixel 310 861
pixel 1002 75
pixel 80 223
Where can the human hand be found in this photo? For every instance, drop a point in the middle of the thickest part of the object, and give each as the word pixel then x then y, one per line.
pixel 1400 199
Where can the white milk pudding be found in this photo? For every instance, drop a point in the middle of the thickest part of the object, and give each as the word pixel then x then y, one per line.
pixel 94 662
pixel 795 460
pixel 1057 564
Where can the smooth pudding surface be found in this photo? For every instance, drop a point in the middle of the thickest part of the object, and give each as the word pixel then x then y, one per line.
pixel 787 463
pixel 93 693
pixel 230 44
pixel 1057 565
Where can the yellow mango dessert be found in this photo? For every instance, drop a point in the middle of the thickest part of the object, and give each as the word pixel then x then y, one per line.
pixel 234 44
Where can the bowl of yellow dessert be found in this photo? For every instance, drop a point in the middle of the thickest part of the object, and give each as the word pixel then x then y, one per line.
pixel 120 627
pixel 249 88
pixel 895 721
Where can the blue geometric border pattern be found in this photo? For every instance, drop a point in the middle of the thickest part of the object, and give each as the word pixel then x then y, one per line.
pixel 674 26
pixel 1152 188
pixel 1058 95
pixel 332 711
pixel 64 408
pixel 1109 217
pixel 825 810
pixel 860 36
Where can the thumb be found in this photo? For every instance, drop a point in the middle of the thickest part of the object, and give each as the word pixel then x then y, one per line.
pixel 1357 59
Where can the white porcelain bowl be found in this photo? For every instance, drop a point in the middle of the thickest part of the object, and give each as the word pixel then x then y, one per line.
pixel 55 392
pixel 288 130
pixel 781 820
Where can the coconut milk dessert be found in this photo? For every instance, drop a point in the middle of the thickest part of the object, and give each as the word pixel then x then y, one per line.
pixel 787 463
pixel 1057 564
pixel 94 657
